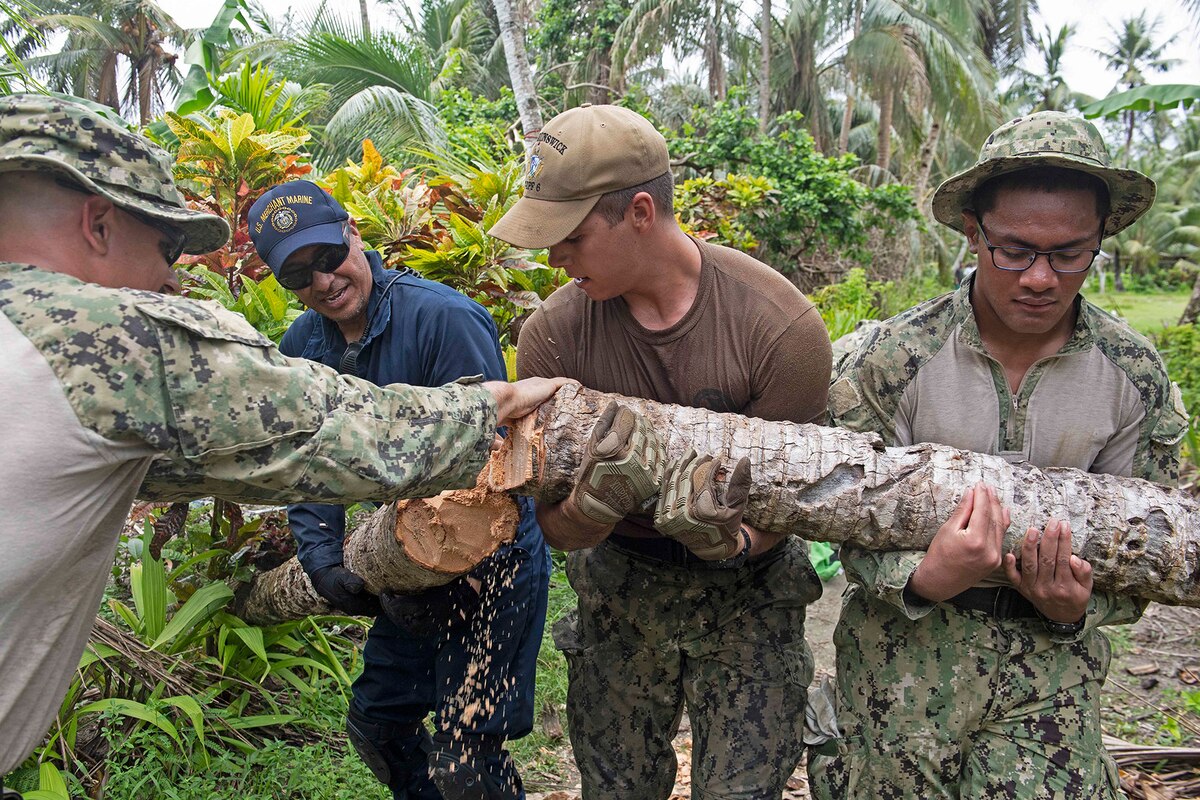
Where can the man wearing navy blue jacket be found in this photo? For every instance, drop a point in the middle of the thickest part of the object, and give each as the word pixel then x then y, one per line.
pixel 395 327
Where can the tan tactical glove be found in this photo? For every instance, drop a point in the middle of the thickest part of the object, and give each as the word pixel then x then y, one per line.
pixel 622 467
pixel 693 510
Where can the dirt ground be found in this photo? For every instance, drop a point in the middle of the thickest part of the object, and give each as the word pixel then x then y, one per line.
pixel 1152 698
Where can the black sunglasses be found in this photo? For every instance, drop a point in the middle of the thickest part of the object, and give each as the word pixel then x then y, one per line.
pixel 171 247
pixel 325 258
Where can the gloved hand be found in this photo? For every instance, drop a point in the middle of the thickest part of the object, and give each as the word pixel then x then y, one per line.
pixel 345 591
pixel 433 610
pixel 622 466
pixel 694 510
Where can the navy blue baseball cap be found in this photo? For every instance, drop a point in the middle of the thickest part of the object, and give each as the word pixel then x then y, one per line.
pixel 292 215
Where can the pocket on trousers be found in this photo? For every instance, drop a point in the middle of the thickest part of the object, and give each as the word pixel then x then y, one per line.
pixel 567 638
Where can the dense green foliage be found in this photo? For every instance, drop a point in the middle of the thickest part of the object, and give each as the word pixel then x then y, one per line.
pixel 814 200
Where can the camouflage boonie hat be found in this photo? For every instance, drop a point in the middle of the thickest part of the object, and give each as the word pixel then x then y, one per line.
pixel 47 134
pixel 1047 139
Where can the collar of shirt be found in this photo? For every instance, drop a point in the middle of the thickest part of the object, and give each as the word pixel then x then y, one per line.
pixel 326 338
pixel 1083 338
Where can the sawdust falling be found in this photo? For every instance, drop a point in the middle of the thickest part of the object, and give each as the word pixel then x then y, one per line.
pixel 487 681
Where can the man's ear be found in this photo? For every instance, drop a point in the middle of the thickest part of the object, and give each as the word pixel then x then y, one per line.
pixel 642 212
pixel 971 229
pixel 96 217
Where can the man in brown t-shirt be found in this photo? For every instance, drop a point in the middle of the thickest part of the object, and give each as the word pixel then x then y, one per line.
pixel 654 313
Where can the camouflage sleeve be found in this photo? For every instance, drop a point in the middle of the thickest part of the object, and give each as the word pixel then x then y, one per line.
pixel 862 399
pixel 1157 458
pixel 239 420
pixel 1108 608
pixel 861 396
pixel 884 575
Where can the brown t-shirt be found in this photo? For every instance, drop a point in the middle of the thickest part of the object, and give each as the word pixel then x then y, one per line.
pixel 751 344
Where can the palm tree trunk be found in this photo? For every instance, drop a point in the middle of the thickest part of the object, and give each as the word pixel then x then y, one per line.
pixel 366 20
pixel 598 94
pixel 712 56
pixel 848 111
pixel 145 92
pixel 1129 117
pixel 106 87
pixel 519 72
pixel 925 163
pixel 835 485
pixel 883 149
pixel 404 546
pixel 1192 312
pixel 764 68
pixel 820 483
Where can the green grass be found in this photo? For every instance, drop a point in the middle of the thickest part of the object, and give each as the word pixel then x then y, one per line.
pixel 1146 312
pixel 538 757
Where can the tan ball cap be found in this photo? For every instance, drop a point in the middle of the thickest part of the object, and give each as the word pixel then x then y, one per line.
pixel 1047 139
pixel 580 155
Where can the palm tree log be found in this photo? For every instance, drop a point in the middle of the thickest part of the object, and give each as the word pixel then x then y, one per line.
pixel 404 546
pixel 835 485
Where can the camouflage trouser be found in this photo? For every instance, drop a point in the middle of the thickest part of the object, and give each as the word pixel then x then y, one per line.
pixel 958 704
pixel 648 637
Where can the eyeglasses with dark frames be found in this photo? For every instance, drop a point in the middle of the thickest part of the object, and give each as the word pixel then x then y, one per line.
pixel 326 258
pixel 1018 259
pixel 171 247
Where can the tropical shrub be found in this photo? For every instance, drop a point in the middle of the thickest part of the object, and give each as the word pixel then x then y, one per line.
pixel 845 304
pixel 1180 349
pixel 435 221
pixel 165 654
pixel 722 210
pixel 816 212
pixel 223 162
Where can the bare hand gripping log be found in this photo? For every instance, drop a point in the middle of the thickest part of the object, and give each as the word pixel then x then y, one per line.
pixel 834 485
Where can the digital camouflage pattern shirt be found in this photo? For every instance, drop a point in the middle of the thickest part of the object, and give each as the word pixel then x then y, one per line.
pixel 1102 403
pixel 108 393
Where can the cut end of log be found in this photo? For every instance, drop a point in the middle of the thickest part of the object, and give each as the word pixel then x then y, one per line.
pixel 519 458
pixel 451 533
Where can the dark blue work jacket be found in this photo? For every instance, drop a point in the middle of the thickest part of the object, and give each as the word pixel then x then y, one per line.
pixel 425 334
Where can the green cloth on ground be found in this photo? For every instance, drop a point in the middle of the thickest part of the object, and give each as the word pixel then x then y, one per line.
pixel 824 560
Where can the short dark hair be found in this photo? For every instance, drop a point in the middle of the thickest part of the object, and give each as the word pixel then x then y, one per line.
pixel 613 205
pixel 1046 179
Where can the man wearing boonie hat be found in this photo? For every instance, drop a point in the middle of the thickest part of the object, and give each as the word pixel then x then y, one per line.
pixel 442 650
pixel 679 603
pixel 110 389
pixel 964 671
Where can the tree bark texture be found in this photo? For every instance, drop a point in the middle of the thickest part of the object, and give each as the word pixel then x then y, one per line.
pixel 520 74
pixel 883 140
pixel 835 485
pixel 1191 312
pixel 403 547
pixel 764 67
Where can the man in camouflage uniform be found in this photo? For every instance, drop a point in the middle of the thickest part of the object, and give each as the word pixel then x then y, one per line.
pixel 679 605
pixel 110 389
pixel 964 671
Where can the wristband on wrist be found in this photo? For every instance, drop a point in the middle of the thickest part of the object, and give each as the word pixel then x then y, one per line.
pixel 1063 628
